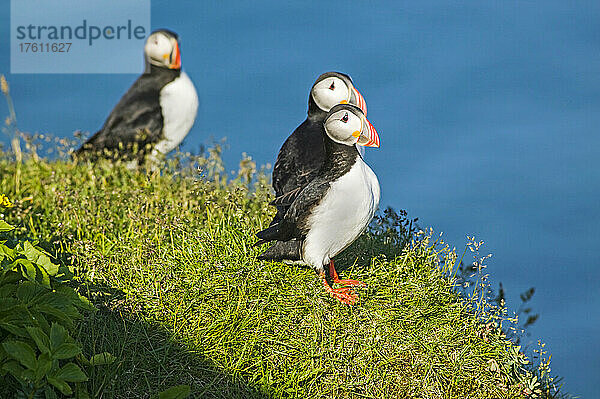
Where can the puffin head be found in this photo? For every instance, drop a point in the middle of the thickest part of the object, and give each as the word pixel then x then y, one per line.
pixel 162 49
pixel 332 88
pixel 347 124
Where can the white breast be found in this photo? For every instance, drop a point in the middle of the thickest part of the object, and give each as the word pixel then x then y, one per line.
pixel 343 214
pixel 179 104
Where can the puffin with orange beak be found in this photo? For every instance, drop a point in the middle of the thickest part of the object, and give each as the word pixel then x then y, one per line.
pixel 155 114
pixel 327 215
pixel 303 153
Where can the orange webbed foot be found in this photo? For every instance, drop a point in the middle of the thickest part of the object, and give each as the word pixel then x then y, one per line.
pixel 344 295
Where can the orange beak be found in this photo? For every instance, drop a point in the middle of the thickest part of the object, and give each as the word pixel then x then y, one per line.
pixel 360 101
pixel 176 56
pixel 368 137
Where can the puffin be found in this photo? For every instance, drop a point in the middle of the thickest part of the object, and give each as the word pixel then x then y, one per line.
pixel 155 114
pixel 332 210
pixel 303 152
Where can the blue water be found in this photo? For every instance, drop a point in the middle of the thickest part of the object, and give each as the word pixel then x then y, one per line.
pixel 488 117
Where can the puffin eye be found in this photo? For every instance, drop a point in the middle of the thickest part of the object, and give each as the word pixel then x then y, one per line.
pixel 332 87
pixel 345 118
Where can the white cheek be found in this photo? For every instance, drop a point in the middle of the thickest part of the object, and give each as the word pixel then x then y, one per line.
pixel 331 127
pixel 355 125
pixel 151 51
pixel 325 98
pixel 157 49
pixel 342 132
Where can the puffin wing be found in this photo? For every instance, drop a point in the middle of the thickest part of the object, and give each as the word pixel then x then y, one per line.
pixel 136 120
pixel 302 207
pixel 287 199
pixel 294 224
pixel 298 163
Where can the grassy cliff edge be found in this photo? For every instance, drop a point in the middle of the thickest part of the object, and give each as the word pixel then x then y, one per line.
pixel 168 260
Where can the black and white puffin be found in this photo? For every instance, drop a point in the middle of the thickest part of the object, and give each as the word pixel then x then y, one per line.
pixel 155 114
pixel 328 214
pixel 303 153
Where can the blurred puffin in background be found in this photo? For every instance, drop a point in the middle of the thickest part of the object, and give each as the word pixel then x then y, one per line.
pixel 155 114
pixel 333 209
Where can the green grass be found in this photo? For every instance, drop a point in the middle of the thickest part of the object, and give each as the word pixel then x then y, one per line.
pixel 168 260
